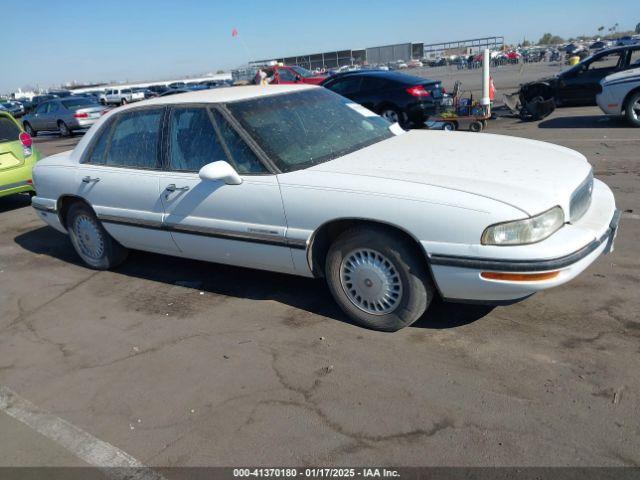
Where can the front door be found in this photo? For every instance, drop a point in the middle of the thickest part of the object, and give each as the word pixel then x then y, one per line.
pixel 242 224
pixel 120 178
pixel 580 86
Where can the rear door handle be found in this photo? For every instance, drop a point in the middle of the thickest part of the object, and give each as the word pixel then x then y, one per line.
pixel 88 179
pixel 172 188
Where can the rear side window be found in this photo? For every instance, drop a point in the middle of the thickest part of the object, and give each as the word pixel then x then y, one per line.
pixel 193 142
pixel 9 131
pixel 242 157
pixel 135 140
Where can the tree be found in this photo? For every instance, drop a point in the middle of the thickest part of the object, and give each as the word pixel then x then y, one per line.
pixel 638 28
pixel 549 39
pixel 600 28
pixel 525 43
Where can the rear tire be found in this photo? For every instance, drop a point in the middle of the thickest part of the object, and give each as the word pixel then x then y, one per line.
pixel 475 127
pixel 632 109
pixel 29 129
pixel 393 115
pixel 93 244
pixel 378 279
pixel 63 129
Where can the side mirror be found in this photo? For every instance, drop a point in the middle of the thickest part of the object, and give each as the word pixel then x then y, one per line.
pixel 220 171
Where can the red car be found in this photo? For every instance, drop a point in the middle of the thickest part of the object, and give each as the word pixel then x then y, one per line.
pixel 288 75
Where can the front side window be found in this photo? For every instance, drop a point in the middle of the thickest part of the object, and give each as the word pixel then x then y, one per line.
pixel 135 139
pixel 53 107
pixel 605 62
pixel 193 142
pixel 42 108
pixel 97 155
pixel 305 128
pixel 286 75
pixel 242 157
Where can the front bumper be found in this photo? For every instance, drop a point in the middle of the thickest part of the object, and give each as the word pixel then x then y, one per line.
pixel 459 277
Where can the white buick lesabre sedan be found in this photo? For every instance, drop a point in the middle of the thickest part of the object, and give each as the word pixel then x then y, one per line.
pixel 297 179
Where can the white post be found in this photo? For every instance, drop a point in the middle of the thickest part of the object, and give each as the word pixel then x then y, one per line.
pixel 486 101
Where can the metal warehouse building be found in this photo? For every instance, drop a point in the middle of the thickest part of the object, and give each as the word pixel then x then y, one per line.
pixel 386 53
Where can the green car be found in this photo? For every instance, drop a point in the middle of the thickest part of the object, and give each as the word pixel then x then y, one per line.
pixel 17 157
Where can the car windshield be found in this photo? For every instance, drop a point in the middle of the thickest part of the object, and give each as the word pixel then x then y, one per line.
pixel 303 72
pixel 305 128
pixel 78 103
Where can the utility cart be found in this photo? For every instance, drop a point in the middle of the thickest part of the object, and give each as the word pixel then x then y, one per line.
pixel 460 114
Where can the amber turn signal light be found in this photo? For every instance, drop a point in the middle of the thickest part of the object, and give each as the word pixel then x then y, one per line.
pixel 520 277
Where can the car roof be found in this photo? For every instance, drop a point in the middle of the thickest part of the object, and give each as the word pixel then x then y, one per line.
pixel 395 76
pixel 222 95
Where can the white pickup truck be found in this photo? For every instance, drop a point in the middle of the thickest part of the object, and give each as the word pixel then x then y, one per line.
pixel 121 96
pixel 620 95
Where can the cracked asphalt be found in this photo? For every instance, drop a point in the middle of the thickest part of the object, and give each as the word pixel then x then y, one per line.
pixel 184 363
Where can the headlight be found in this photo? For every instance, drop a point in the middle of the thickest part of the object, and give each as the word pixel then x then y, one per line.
pixel 522 232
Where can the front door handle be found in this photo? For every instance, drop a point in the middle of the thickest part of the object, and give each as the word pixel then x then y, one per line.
pixel 88 179
pixel 172 188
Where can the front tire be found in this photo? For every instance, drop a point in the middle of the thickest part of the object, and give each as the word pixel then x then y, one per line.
pixel 632 109
pixel 123 101
pixel 91 241
pixel 378 279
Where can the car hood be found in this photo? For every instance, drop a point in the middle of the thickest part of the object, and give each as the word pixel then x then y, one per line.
pixel 529 175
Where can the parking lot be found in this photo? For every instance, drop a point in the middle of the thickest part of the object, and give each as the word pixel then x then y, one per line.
pixel 179 362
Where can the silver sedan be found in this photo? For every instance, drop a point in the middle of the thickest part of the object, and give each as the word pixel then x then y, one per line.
pixel 63 115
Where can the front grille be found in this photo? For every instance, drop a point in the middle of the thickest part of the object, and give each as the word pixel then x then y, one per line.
pixel 581 199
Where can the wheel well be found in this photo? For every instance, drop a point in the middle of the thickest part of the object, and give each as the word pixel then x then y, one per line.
pixel 327 233
pixel 64 204
pixel 632 92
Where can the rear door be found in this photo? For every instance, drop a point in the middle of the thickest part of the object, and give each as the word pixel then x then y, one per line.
pixel 119 177
pixel 240 225
pixel 52 115
pixel 375 91
pixel 39 118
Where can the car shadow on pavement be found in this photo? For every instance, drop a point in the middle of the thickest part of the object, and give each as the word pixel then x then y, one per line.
pixel 13 202
pixel 307 294
pixel 585 121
